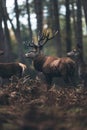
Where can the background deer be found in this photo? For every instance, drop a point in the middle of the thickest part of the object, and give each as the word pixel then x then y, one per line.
pixel 49 65
pixel 7 70
pixel 10 69
pixel 76 55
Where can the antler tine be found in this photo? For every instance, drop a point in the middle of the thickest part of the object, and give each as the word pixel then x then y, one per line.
pixel 39 35
pixel 31 44
pixel 55 33
pixel 47 37
pixel 34 45
pixel 41 38
pixel 27 43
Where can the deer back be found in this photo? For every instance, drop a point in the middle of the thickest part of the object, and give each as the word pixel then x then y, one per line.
pixel 58 66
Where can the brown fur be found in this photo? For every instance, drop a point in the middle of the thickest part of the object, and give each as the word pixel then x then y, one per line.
pixel 9 69
pixel 55 67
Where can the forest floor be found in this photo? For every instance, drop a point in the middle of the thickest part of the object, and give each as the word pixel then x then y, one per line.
pixel 27 105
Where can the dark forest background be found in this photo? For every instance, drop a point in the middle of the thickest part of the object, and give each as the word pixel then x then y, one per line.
pixel 25 103
pixel 69 17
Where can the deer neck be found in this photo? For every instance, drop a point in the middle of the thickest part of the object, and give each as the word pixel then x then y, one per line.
pixel 39 61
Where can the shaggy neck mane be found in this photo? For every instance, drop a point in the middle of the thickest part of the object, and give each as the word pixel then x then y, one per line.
pixel 39 61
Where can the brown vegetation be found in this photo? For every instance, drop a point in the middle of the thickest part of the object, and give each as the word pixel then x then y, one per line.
pixel 26 104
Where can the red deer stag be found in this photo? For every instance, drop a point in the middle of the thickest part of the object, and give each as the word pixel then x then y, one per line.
pixel 49 65
pixel 76 55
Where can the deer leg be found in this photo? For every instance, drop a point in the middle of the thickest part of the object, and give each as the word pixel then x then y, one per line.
pixel 85 81
pixel 1 81
pixel 48 81
pixel 73 81
pixel 66 79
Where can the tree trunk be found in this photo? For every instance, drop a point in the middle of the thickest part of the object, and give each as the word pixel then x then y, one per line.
pixel 84 2
pixel 1 29
pixel 68 27
pixel 29 23
pixel 4 33
pixel 39 14
pixel 2 41
pixel 18 34
pixel 8 49
pixel 51 15
pixel 79 26
pixel 57 27
pixel 74 22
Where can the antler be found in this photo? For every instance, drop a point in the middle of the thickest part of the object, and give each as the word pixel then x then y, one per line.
pixel 45 37
pixel 42 40
pixel 30 44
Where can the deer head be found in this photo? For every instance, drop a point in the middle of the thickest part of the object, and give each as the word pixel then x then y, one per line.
pixel 76 53
pixel 37 48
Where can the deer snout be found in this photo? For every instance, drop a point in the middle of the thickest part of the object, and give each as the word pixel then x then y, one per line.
pixel 26 55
